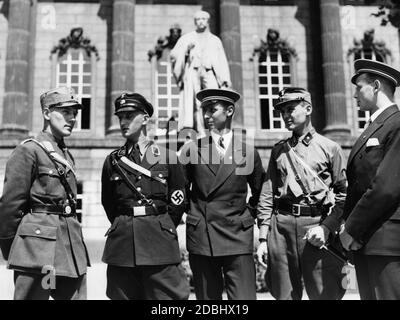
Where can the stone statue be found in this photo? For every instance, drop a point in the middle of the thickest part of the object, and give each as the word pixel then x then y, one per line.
pixel 199 62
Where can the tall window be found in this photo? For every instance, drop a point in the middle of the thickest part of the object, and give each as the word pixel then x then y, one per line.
pixel 273 74
pixel 165 91
pixel 275 69
pixel 166 94
pixel 367 48
pixel 74 70
pixel 74 59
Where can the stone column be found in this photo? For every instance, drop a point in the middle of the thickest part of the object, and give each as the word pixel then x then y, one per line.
pixel 230 35
pixel 212 7
pixel 15 120
pixel 333 69
pixel 122 65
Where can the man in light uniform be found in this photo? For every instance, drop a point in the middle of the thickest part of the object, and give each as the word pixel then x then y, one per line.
pixel 295 211
pixel 39 231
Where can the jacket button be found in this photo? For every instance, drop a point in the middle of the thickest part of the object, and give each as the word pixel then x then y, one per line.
pixel 51 172
pixel 139 177
pixel 139 202
pixel 37 231
pixel 160 175
pixel 139 189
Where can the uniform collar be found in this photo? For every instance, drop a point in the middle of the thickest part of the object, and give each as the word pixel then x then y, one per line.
pixel 305 138
pixel 49 137
pixel 143 144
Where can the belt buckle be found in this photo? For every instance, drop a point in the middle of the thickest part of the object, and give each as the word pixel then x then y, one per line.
pixel 67 210
pixel 139 211
pixel 296 210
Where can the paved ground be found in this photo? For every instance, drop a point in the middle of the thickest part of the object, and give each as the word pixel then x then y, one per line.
pixel 97 273
pixel 97 285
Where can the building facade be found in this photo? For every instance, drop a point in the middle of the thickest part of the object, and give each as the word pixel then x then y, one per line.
pixel 101 48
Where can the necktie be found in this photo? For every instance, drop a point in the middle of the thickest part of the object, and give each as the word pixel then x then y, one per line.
pixel 368 124
pixel 63 148
pixel 221 149
pixel 136 153
pixel 221 143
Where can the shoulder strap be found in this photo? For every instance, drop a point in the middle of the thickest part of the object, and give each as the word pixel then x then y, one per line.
pixel 296 174
pixel 57 157
pixel 308 167
pixel 135 167
pixel 60 170
pixel 114 162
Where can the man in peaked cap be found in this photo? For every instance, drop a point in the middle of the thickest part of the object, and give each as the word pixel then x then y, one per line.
pixel 372 209
pixel 144 198
pixel 40 235
pixel 300 207
pixel 220 222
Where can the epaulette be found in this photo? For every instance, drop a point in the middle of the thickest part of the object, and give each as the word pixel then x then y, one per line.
pixel 26 140
pixel 121 152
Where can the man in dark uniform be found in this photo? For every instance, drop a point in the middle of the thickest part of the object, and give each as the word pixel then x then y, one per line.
pixel 372 208
pixel 300 207
pixel 220 222
pixel 144 199
pixel 40 235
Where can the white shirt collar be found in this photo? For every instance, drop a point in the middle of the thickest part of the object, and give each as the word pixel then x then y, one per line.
pixel 227 138
pixel 379 111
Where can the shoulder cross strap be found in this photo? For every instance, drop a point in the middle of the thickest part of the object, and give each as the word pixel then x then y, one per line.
pixel 60 170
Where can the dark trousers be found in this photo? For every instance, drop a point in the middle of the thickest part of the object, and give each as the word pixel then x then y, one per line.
pixel 166 282
pixel 378 277
pixel 292 262
pixel 33 286
pixel 211 274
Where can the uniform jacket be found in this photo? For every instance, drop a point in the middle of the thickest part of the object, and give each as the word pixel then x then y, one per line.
pixel 148 240
pixel 220 221
pixel 39 239
pixel 372 210
pixel 325 157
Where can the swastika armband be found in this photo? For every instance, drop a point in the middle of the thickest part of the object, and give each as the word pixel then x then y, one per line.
pixel 177 197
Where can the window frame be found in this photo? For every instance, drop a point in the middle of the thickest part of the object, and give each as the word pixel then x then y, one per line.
pixel 169 96
pixel 56 60
pixel 257 85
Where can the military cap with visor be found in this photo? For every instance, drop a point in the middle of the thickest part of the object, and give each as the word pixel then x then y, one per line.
pixel 362 66
pixel 292 94
pixel 61 97
pixel 132 102
pixel 212 96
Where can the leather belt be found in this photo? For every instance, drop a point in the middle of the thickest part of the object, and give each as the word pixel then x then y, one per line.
pixel 65 210
pixel 299 210
pixel 141 211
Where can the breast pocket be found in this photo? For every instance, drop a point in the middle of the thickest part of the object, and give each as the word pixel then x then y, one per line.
pixel 49 180
pixel 157 187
